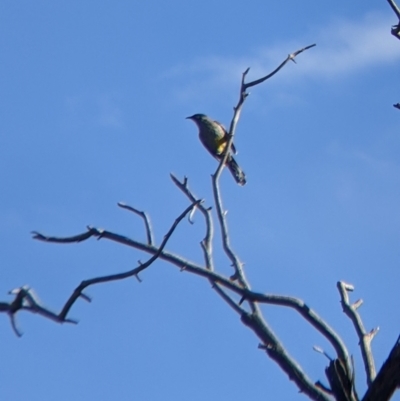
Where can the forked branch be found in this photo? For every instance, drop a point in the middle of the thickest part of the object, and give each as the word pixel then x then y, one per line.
pixel 25 300
pixel 146 220
pixel 351 310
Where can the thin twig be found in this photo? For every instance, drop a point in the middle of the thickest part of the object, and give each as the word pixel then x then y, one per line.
pixel 146 219
pixel 206 243
pixel 228 299
pixel 365 338
pixel 291 57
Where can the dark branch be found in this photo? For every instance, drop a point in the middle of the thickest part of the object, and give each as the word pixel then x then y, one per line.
pixel 387 379
pixel 291 56
pixel 341 380
pixel 395 31
pixel 143 215
pixel 184 264
pixel 134 272
pixel 25 299
pixel 277 352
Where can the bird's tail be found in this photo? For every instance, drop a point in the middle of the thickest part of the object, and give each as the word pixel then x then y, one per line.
pixel 236 171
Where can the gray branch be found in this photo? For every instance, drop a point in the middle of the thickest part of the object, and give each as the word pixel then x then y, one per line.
pixel 365 338
pixel 206 243
pixel 146 219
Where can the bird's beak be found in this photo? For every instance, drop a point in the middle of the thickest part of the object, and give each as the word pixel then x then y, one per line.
pixel 189 118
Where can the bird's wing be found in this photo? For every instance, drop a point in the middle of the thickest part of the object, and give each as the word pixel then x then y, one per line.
pixel 233 149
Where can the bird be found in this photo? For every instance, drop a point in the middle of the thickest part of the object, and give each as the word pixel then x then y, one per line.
pixel 214 137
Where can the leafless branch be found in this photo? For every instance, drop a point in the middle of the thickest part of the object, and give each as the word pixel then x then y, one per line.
pixel 134 272
pixel 228 299
pixel 395 28
pixel 184 264
pixel 365 338
pixel 387 379
pixel 143 215
pixel 291 57
pixel 341 380
pixel 395 8
pixel 25 299
pixel 308 314
pixel 206 243
pixel 273 347
pixel 258 323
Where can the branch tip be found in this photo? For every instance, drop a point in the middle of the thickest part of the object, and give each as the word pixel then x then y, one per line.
pixel 85 297
pixel 373 332
pixel 318 349
pixel 347 286
pixel 357 304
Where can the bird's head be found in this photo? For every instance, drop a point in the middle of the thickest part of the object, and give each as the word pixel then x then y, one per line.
pixel 198 118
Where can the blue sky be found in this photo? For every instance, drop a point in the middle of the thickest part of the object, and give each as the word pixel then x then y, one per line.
pixel 93 102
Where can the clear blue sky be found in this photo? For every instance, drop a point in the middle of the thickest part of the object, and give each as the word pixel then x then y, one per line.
pixel 93 102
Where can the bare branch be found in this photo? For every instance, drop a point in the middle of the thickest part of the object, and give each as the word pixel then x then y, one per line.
pixel 206 244
pixel 387 379
pixel 237 264
pixel 134 272
pixel 297 304
pixel 143 215
pixel 364 337
pixel 228 299
pixel 341 380
pixel 395 31
pixel 395 8
pixel 26 300
pixel 91 232
pixel 291 367
pixel 307 313
pixel 291 57
pixel 276 352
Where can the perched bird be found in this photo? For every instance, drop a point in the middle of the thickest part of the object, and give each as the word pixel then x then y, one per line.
pixel 214 137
